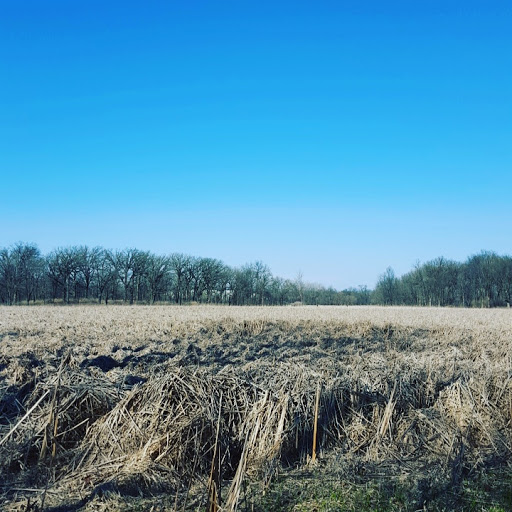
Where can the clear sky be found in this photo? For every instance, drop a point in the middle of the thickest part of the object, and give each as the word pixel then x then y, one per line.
pixel 336 138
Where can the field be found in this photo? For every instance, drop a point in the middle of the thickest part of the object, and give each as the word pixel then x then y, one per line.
pixel 175 408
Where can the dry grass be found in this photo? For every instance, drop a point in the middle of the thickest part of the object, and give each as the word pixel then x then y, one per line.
pixel 130 399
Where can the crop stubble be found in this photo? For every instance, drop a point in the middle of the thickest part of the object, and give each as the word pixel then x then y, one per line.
pixel 130 399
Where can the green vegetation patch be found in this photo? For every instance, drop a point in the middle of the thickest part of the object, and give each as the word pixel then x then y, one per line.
pixel 486 491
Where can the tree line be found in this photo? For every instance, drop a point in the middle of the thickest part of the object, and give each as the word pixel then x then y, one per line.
pixel 484 280
pixel 81 274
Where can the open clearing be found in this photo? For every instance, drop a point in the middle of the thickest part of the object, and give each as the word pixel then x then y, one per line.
pixel 148 407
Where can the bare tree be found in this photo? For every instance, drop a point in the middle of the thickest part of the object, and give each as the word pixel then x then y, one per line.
pixel 158 269
pixel 88 262
pixel 299 285
pixel 262 278
pixel 211 274
pixel 179 264
pixel 8 277
pixel 387 287
pixel 128 266
pixel 105 276
pixel 63 268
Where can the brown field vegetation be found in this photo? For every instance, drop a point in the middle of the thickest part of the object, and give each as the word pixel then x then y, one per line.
pixel 100 404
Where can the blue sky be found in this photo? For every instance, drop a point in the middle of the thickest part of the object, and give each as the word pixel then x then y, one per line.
pixel 335 138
